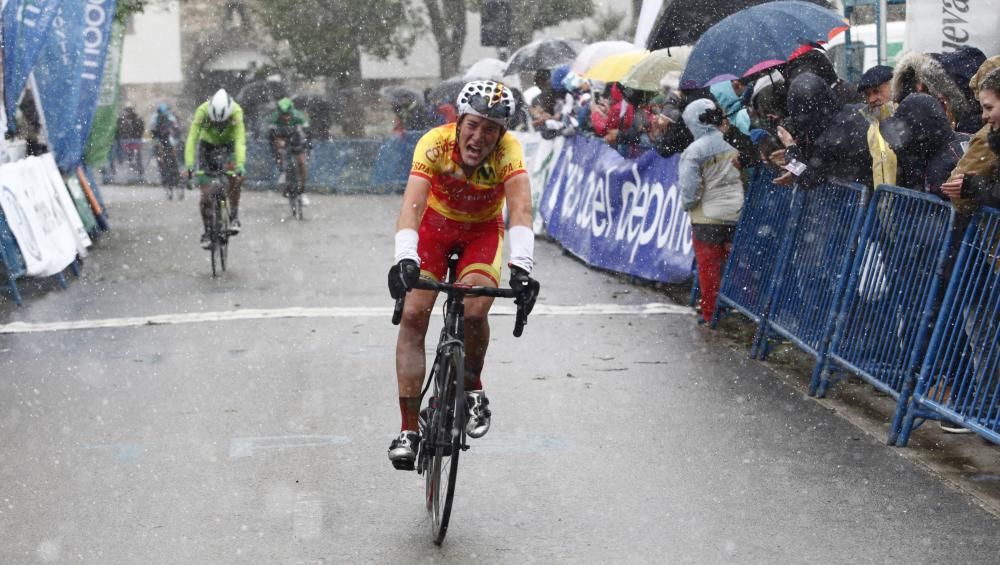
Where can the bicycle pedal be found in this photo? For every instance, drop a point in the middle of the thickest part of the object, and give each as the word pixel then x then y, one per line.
pixel 403 465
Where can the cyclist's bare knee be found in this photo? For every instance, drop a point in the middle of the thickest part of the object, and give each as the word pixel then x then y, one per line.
pixel 417 311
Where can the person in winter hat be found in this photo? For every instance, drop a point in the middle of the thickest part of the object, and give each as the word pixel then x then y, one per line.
pixel 876 88
pixel 929 73
pixel 712 193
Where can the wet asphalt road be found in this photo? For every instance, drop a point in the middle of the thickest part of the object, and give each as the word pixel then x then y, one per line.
pixel 243 430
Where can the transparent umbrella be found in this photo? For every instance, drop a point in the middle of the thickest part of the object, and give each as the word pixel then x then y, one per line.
pixel 488 68
pixel 541 54
pixel 647 73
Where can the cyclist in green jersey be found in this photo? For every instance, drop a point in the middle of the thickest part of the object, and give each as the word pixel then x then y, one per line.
pixel 218 139
pixel 286 127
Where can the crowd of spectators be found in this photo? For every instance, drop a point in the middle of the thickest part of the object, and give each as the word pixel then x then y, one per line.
pixel 931 124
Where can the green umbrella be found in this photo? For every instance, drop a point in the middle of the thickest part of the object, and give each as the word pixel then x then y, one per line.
pixel 647 73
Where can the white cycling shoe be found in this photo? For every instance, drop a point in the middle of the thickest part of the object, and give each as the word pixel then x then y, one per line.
pixel 478 408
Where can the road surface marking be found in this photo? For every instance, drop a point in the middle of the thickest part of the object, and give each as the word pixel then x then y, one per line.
pixel 248 446
pixel 652 308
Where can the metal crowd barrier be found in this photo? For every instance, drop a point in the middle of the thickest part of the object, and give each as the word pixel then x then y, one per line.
pixel 886 313
pixel 813 267
pixel 756 244
pixel 336 165
pixel 960 376
pixel 10 256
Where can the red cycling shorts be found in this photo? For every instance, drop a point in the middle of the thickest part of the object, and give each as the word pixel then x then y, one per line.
pixel 479 246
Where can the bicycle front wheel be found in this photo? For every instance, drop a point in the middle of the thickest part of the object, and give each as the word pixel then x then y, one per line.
pixel 446 437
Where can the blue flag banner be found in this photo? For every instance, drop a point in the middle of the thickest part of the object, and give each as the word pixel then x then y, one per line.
pixel 26 25
pixel 619 214
pixel 69 73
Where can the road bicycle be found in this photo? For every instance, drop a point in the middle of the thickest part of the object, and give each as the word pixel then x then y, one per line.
pixel 442 434
pixel 292 189
pixel 218 226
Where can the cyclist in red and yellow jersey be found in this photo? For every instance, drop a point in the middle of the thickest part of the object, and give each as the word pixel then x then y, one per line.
pixel 462 173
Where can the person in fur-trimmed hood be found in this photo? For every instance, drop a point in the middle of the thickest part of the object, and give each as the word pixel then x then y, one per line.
pixel 944 76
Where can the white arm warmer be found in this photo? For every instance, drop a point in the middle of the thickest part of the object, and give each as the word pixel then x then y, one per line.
pixel 522 247
pixel 406 245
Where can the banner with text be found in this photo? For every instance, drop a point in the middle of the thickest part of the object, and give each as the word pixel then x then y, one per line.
pixel 26 24
pixel 619 214
pixel 69 73
pixel 937 26
pixel 36 218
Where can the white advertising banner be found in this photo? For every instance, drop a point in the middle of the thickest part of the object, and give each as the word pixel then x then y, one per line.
pixel 47 165
pixel 43 233
pixel 938 26
pixel 540 157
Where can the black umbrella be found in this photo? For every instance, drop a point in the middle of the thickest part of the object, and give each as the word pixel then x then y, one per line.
pixel 541 54
pixel 399 95
pixel 681 22
pixel 446 91
pixel 320 112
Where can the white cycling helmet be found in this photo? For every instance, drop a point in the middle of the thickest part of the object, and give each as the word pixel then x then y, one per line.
pixel 220 108
pixel 488 99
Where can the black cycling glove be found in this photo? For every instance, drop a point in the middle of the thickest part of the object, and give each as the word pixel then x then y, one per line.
pixel 402 277
pixel 526 286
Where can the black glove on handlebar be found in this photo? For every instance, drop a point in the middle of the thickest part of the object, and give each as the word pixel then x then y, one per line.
pixel 402 277
pixel 526 286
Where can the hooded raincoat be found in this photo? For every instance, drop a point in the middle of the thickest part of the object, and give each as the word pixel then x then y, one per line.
pixel 926 145
pixel 831 139
pixel 710 186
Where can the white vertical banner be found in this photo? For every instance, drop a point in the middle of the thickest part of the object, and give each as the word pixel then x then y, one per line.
pixel 43 235
pixel 938 26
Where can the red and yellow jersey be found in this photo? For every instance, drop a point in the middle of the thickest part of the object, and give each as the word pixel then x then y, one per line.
pixel 453 195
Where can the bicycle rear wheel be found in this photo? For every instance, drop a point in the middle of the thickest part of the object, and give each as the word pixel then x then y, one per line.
pixel 223 233
pixel 213 235
pixel 447 436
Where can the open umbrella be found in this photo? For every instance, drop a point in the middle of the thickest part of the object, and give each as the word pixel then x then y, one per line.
pixel 682 22
pixel 613 67
pixel 647 73
pixel 541 54
pixel 597 51
pixel 488 68
pixel 399 95
pixel 759 38
pixel 446 91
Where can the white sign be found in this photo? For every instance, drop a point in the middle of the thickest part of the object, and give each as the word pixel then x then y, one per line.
pixel 938 26
pixel 60 194
pixel 36 219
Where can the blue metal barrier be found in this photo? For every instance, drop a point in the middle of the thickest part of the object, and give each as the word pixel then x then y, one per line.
pixel 756 243
pixel 814 265
pixel 883 324
pixel 10 256
pixel 959 378
pixel 336 165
